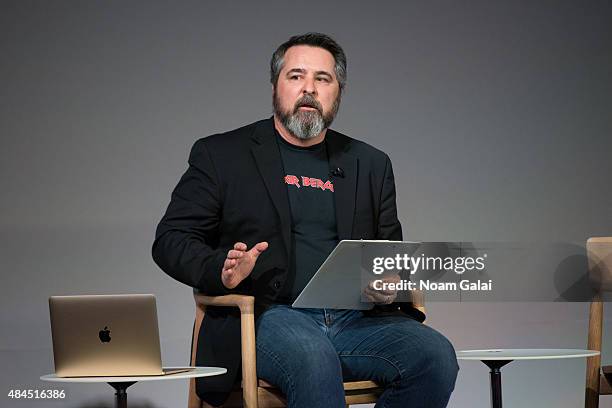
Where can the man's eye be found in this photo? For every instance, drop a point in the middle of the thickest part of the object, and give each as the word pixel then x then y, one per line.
pixel 294 77
pixel 324 79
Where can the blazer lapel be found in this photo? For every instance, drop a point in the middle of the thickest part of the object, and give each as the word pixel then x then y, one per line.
pixel 345 185
pixel 269 164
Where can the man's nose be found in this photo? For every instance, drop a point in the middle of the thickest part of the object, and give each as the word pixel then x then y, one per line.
pixel 309 86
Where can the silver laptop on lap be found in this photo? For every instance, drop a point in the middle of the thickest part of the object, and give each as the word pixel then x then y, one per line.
pixel 106 335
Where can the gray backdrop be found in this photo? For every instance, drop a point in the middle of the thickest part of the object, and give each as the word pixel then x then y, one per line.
pixel 496 116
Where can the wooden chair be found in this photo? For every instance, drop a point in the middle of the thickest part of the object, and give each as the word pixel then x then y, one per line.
pixel 258 393
pixel 599 254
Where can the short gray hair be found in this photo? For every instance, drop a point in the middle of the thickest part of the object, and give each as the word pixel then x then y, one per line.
pixel 314 40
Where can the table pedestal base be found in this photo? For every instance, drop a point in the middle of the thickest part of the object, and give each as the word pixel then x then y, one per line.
pixel 496 388
pixel 121 394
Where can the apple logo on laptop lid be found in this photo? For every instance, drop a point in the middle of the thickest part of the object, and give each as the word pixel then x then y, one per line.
pixel 104 335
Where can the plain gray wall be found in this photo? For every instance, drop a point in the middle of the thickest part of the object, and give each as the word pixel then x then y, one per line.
pixel 497 116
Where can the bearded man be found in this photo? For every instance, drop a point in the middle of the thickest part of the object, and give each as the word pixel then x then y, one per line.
pixel 257 212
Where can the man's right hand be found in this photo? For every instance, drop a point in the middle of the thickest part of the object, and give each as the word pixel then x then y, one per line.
pixel 239 263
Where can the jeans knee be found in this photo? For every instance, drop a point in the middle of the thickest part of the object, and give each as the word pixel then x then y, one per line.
pixel 306 368
pixel 320 367
pixel 440 363
pixel 305 379
pixel 433 360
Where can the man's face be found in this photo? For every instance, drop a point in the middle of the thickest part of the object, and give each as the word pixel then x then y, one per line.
pixel 307 93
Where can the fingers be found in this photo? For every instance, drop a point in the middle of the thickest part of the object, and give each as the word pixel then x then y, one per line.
pixel 382 293
pixel 370 297
pixel 241 247
pixel 229 277
pixel 385 292
pixel 228 264
pixel 380 299
pixel 234 254
pixel 259 248
pixel 237 264
pixel 380 296
pixel 395 278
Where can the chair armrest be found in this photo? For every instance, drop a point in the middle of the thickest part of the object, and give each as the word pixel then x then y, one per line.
pixel 246 304
pixel 418 300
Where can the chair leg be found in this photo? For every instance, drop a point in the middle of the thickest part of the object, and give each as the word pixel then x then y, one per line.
pixel 591 395
pixel 194 401
pixel 249 369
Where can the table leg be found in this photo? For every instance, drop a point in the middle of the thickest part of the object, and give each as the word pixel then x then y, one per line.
pixel 121 394
pixel 496 388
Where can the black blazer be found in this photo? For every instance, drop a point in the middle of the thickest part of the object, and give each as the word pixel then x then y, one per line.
pixel 233 191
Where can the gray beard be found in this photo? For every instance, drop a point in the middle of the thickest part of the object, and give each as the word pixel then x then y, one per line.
pixel 305 125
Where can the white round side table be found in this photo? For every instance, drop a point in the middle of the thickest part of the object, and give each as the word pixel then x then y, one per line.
pixel 496 359
pixel 120 384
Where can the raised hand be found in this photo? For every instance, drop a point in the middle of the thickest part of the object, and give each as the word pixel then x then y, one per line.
pixel 239 263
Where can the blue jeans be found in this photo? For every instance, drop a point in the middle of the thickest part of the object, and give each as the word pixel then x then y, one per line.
pixel 307 353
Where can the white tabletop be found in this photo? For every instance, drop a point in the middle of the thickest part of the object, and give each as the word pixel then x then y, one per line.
pixel 195 372
pixel 523 354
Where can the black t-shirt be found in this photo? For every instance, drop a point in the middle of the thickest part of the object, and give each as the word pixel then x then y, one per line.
pixel 313 213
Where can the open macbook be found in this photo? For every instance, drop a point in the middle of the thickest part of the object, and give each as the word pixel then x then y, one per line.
pixel 106 335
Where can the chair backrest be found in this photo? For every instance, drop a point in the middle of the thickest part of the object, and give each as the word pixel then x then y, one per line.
pixel 599 256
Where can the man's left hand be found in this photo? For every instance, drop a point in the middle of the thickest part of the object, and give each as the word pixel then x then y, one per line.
pixel 382 297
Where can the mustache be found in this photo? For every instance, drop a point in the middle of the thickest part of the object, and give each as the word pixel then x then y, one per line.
pixel 310 102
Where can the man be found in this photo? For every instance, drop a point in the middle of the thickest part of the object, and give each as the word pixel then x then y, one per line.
pixel 257 212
